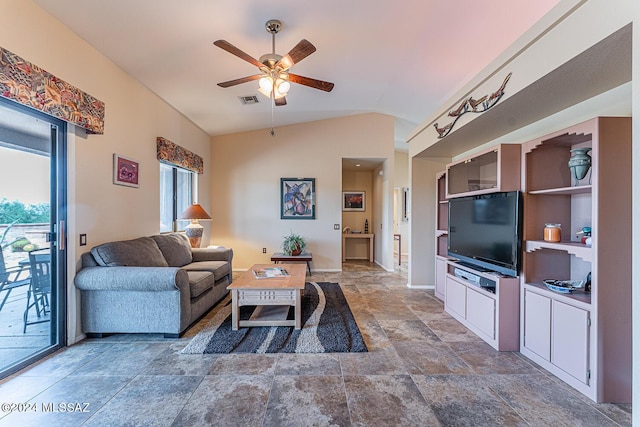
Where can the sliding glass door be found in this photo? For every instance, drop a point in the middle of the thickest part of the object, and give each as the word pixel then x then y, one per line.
pixel 32 236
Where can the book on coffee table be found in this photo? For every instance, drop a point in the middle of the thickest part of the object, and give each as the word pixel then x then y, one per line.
pixel 271 272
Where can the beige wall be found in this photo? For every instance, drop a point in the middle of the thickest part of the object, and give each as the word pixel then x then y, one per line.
pixel 134 118
pixel 246 172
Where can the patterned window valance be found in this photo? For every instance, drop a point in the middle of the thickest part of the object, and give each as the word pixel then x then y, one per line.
pixel 179 156
pixel 34 87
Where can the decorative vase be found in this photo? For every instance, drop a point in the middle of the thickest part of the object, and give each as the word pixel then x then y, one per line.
pixel 579 163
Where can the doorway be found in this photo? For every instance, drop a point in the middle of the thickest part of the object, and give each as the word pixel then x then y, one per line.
pixel 32 236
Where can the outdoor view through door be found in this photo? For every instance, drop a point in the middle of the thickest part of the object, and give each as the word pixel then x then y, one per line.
pixel 32 198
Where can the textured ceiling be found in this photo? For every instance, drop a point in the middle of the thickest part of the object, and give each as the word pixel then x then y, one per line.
pixel 402 59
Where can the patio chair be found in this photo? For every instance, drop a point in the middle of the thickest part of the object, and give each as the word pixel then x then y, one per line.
pixel 11 278
pixel 39 289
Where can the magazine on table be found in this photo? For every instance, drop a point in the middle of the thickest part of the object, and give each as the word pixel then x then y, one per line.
pixel 270 272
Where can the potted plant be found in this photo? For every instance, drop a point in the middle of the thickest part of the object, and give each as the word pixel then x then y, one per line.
pixel 293 244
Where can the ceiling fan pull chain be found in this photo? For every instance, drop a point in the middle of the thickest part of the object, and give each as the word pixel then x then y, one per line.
pixel 273 102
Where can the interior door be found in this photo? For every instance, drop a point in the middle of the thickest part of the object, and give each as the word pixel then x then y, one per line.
pixel 32 236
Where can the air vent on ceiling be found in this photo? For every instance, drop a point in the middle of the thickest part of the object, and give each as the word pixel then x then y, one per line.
pixel 248 100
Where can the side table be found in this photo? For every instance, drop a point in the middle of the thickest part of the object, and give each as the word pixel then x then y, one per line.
pixel 305 256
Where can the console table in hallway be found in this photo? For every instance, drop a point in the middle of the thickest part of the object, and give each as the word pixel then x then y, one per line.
pixel 305 256
pixel 346 236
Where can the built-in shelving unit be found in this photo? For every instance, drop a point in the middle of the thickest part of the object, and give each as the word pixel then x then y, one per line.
pixel 491 313
pixel 442 233
pixel 584 338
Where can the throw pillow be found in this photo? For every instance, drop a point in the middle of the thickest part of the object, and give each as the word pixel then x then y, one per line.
pixel 142 252
pixel 175 247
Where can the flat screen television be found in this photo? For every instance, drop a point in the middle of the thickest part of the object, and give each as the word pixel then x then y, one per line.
pixel 485 232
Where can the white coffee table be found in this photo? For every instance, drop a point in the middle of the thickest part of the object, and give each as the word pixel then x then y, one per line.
pixel 271 296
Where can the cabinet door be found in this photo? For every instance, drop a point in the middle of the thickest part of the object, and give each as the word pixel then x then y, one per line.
pixel 455 299
pixel 537 324
pixel 481 312
pixel 441 277
pixel 570 340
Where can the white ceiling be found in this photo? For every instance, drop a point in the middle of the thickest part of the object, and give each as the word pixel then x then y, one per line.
pixel 403 59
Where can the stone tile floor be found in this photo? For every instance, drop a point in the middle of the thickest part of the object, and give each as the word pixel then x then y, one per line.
pixel 422 369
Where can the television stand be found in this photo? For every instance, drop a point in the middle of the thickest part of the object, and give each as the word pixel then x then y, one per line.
pixel 486 303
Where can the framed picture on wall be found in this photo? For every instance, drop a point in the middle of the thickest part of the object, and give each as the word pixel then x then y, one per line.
pixel 125 171
pixel 297 198
pixel 353 201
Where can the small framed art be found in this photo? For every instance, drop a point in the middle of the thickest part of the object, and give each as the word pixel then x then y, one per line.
pixel 297 198
pixel 353 201
pixel 125 171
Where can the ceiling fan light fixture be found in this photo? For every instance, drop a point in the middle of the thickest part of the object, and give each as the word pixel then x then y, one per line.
pixel 282 86
pixel 266 93
pixel 266 84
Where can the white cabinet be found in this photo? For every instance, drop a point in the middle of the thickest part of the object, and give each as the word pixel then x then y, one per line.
pixel 570 340
pixel 536 336
pixel 456 298
pixel 491 316
pixel 557 335
pixel 481 312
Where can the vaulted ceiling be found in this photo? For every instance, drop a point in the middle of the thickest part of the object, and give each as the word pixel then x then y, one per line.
pixel 403 59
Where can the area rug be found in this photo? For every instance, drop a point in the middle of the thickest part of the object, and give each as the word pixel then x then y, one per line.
pixel 328 326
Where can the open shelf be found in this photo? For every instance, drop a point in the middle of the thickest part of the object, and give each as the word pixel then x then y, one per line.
pixel 574 248
pixel 580 189
pixel 582 298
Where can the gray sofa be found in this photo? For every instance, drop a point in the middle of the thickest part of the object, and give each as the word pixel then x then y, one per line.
pixel 156 284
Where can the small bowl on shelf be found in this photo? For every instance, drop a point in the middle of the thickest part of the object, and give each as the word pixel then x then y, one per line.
pixel 563 286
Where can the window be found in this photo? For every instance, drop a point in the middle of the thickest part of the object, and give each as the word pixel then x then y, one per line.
pixel 176 194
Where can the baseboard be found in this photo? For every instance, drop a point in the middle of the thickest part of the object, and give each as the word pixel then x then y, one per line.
pixel 384 268
pixel 409 285
pixel 77 339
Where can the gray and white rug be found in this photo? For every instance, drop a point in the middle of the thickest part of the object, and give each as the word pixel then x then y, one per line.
pixel 328 326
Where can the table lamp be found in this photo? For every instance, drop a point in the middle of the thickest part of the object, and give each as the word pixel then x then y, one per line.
pixel 194 231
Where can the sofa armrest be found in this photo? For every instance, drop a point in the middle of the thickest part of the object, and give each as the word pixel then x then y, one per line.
pixel 131 279
pixel 212 254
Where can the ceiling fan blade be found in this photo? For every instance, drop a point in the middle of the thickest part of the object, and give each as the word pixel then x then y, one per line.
pixel 239 81
pixel 308 81
pixel 281 101
pixel 300 51
pixel 225 45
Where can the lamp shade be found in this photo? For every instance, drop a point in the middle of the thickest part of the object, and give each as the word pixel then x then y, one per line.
pixel 195 211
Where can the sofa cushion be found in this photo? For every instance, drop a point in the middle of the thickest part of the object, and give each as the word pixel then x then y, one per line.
pixel 218 268
pixel 142 252
pixel 175 247
pixel 199 282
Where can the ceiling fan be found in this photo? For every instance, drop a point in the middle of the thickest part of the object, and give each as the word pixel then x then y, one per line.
pixel 275 78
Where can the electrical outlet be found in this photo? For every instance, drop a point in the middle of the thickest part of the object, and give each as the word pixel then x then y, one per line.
pixel 264 250
pixel 83 240
pixel 336 226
